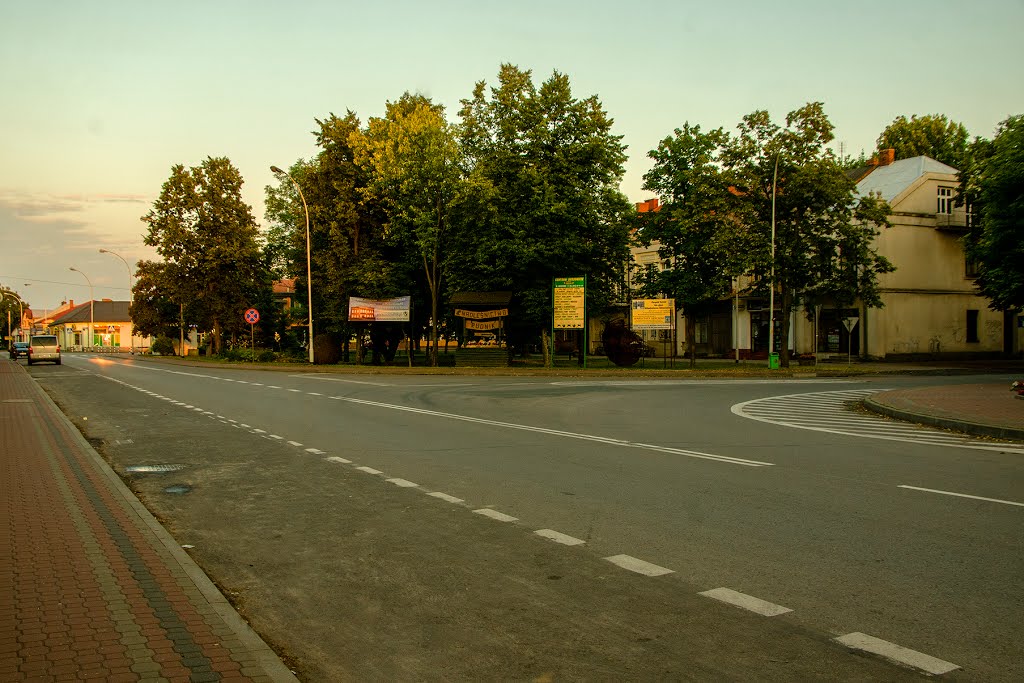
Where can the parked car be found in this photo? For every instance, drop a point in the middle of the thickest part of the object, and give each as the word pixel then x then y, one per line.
pixel 18 349
pixel 43 347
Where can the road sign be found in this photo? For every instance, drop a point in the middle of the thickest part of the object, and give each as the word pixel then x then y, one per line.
pixel 252 316
pixel 850 323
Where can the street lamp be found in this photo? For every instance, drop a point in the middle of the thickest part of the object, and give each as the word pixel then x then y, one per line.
pixel 21 314
pixel 771 295
pixel 91 300
pixel 131 336
pixel 309 268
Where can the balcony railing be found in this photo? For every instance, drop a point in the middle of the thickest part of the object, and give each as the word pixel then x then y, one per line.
pixel 959 220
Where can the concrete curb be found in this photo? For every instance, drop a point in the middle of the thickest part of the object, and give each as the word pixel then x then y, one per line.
pixel 268 659
pixel 975 428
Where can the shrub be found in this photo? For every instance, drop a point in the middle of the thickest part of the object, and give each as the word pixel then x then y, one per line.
pixel 266 356
pixel 162 346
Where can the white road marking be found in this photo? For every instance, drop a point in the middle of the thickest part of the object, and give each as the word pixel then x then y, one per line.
pixel 256 384
pixel 274 436
pixel 242 424
pixel 827 411
pixel 494 514
pixel 638 566
pixel 315 451
pixel 692 382
pixel 961 495
pixel 559 537
pixel 557 432
pixel 445 496
pixel 313 393
pixel 271 386
pixel 258 431
pixel 338 379
pixel 404 483
pixel 336 459
pixel 896 653
pixel 294 443
pixel 747 602
pixel 369 470
pixel 295 391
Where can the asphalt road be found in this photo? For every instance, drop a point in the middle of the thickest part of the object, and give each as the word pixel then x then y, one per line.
pixel 308 498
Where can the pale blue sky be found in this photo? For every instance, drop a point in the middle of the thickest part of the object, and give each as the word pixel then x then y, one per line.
pixel 101 98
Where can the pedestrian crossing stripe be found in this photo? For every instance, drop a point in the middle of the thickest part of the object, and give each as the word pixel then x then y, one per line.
pixel 831 411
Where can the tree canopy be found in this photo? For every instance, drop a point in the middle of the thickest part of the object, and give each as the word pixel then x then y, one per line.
pixel 929 135
pixel 994 185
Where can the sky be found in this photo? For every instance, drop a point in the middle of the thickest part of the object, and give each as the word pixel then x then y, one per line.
pixel 101 99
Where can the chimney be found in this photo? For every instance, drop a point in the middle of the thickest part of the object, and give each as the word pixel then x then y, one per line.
pixel 886 156
pixel 648 206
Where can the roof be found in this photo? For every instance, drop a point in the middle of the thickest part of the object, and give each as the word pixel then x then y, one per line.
pixel 103 311
pixel 481 298
pixel 893 179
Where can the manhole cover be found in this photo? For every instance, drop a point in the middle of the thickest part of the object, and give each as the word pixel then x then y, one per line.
pixel 178 488
pixel 153 469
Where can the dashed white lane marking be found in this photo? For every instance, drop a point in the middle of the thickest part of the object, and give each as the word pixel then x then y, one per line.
pixel 369 470
pixel 961 495
pixel 295 391
pixel 336 459
pixel 338 379
pixel 275 436
pixel 747 602
pixel 638 566
pixel 258 431
pixel 559 537
pixel 271 386
pixel 445 496
pixel 494 514
pixel 256 384
pixel 897 653
pixel 828 411
pixel 294 443
pixel 404 483
pixel 315 451
pixel 313 393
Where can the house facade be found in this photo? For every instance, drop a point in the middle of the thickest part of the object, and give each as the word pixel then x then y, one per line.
pixel 109 322
pixel 931 310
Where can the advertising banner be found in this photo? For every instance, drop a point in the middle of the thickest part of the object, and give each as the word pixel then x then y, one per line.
pixel 483 325
pixel 653 314
pixel 569 297
pixel 373 310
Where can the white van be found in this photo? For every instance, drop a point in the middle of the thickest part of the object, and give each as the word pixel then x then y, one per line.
pixel 43 347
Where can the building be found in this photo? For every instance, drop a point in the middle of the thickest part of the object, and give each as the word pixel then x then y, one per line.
pixel 111 325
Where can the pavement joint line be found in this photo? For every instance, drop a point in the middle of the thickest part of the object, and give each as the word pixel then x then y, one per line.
pixel 446 497
pixel 368 470
pixel 494 514
pixel 747 602
pixel 336 459
pixel 961 495
pixel 403 483
pixel 559 537
pixel 639 566
pixel 897 653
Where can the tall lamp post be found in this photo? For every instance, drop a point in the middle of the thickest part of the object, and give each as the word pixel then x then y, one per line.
pixel 91 309
pixel 131 300
pixel 771 295
pixel 309 268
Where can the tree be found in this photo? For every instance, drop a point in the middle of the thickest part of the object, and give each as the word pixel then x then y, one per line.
pixel 416 170
pixel 555 167
pixel 211 245
pixel 994 186
pixel 930 135
pixel 824 233
pixel 701 236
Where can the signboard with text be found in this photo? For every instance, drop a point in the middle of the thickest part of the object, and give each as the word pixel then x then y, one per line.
pixel 378 310
pixel 570 296
pixel 653 314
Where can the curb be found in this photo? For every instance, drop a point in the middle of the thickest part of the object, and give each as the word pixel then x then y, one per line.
pixel 975 428
pixel 274 667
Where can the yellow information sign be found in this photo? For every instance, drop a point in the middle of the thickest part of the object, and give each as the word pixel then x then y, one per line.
pixel 653 314
pixel 570 310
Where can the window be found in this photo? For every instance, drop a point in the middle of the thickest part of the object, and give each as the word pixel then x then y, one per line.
pixel 972 326
pixel 970 268
pixel 945 201
pixel 700 330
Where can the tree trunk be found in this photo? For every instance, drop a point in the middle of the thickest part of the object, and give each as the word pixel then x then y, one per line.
pixel 691 341
pixel 217 342
pixel 787 314
pixel 545 345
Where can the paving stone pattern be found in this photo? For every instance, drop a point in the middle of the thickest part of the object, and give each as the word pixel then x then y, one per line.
pixel 89 588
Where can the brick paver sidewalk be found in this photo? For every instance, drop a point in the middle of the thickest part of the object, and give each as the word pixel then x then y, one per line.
pixel 91 587
pixel 990 409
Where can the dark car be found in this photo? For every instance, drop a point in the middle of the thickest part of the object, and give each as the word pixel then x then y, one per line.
pixel 18 350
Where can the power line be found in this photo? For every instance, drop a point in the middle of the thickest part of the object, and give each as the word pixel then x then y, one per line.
pixel 56 282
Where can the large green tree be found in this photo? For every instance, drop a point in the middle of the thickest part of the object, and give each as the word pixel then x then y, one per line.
pixel 994 186
pixel 700 232
pixel 823 232
pixel 931 135
pixel 555 166
pixel 211 245
pixel 417 171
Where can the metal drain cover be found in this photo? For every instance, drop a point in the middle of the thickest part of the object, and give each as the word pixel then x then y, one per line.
pixel 153 469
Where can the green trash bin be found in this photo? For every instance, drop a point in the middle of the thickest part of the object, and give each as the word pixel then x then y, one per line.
pixel 773 361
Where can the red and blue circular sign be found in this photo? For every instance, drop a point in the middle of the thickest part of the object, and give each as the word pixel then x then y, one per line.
pixel 252 316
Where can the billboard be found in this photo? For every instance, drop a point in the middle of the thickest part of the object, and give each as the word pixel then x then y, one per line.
pixel 653 314
pixel 375 310
pixel 570 310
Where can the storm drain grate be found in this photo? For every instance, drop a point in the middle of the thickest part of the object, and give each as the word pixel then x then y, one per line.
pixel 153 469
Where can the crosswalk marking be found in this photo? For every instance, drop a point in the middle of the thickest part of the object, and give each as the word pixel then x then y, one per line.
pixel 830 411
